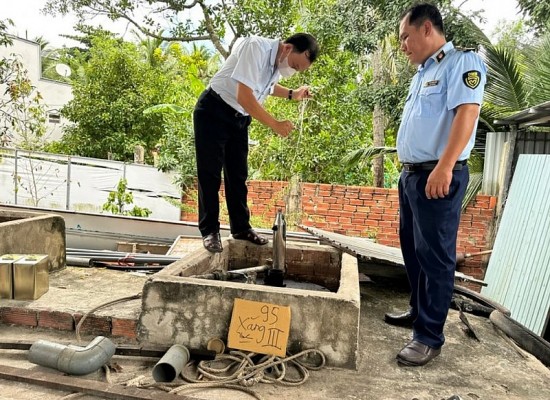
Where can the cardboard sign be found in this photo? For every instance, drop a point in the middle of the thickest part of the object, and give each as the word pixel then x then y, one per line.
pixel 259 327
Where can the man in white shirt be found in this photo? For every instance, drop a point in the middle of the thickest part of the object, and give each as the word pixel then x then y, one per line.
pixel 221 119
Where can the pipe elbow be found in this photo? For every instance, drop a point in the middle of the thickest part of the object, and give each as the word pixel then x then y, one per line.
pixel 73 360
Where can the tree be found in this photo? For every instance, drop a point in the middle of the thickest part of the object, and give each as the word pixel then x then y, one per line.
pixel 118 202
pixel 538 11
pixel 369 30
pixel 327 125
pixel 518 77
pixel 22 113
pixel 216 21
pixel 107 108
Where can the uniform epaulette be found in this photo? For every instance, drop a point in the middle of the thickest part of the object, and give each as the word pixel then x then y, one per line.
pixel 466 49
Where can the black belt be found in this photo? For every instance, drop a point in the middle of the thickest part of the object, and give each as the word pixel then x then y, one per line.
pixel 215 95
pixel 430 165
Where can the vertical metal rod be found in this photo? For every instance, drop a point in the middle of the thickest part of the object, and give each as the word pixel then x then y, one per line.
pixel 15 177
pixel 124 171
pixel 68 201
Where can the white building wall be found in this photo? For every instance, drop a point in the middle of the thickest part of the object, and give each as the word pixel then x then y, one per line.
pixel 54 94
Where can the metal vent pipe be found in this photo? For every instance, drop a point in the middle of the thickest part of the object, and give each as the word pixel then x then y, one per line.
pixel 73 360
pixel 171 364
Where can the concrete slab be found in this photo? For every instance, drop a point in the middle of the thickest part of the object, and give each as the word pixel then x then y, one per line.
pixel 488 370
pixel 33 233
pixel 178 308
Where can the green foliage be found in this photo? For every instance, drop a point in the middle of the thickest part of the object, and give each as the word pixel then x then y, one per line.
pixel 5 40
pixel 514 35
pixel 215 19
pixel 108 103
pixel 128 94
pixel 537 73
pixel 22 113
pixel 118 202
pixel 326 127
pixel 504 76
pixel 538 11
pixel 518 77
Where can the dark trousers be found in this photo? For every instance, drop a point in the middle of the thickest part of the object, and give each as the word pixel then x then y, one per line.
pixel 221 142
pixel 428 231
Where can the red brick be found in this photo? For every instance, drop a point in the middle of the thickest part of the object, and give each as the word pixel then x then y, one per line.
pixel 365 195
pixel 56 320
pixel 124 327
pixel 94 325
pixel 18 316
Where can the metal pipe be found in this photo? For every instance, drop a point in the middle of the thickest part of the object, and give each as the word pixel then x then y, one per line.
pixel 275 275
pixel 171 364
pixel 235 273
pixel 68 197
pixel 279 242
pixel 73 360
pixel 15 176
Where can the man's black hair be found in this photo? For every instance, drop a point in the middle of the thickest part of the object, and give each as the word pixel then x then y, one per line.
pixel 420 12
pixel 304 42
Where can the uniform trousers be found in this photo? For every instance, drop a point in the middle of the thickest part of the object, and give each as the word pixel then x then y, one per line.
pixel 221 143
pixel 428 231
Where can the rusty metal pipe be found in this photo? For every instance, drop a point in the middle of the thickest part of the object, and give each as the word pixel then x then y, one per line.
pixel 235 273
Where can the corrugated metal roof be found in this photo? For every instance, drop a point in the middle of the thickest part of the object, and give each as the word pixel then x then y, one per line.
pixel 518 274
pixel 538 115
pixel 366 249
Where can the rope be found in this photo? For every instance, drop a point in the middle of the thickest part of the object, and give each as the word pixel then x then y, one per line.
pixel 238 370
pixel 121 300
pixel 302 109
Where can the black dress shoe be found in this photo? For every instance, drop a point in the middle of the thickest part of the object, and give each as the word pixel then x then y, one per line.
pixel 415 354
pixel 213 242
pixel 252 236
pixel 405 319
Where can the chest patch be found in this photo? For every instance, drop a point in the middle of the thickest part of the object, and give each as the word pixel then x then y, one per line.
pixel 472 79
pixel 431 83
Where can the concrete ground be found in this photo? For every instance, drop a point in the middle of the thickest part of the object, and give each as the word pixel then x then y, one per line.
pixel 489 369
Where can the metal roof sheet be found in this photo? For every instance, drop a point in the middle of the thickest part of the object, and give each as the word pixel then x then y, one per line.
pixel 518 274
pixel 538 115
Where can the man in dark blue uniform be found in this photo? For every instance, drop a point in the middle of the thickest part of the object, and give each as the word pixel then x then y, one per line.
pixel 434 141
pixel 221 119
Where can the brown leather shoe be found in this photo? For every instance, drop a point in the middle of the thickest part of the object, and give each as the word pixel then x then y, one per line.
pixel 415 354
pixel 213 242
pixel 405 319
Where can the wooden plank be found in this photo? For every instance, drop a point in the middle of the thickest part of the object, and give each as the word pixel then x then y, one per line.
pixel 72 384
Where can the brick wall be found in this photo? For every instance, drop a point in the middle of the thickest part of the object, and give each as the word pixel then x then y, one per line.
pixel 356 211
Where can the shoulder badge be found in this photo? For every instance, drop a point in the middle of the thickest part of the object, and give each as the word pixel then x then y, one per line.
pixel 471 79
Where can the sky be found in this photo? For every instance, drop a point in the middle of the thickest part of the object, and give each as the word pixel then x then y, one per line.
pixel 30 23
